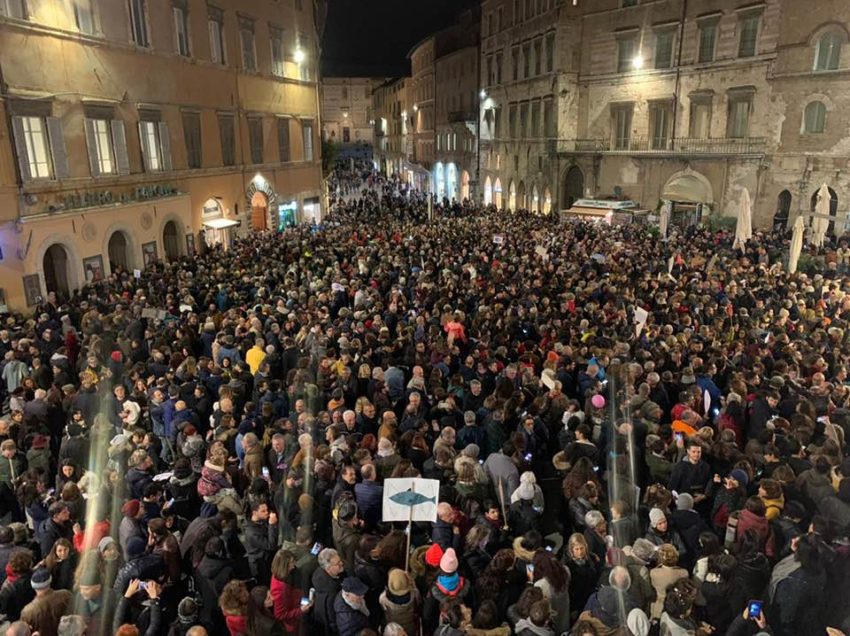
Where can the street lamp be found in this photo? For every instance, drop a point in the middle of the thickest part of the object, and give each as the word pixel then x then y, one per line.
pixel 637 62
pixel 299 55
pixel 483 94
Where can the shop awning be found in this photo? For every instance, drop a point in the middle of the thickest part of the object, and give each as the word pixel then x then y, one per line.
pixel 220 224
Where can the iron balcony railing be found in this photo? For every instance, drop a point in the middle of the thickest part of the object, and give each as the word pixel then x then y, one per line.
pixel 664 146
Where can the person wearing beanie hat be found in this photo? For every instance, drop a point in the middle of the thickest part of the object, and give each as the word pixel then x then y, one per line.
pixel 45 611
pixel 433 555
pixel 401 601
pixel 450 586
pixel 131 524
pixel 524 514
pixel 688 523
pixel 661 532
pixel 352 615
pixel 528 479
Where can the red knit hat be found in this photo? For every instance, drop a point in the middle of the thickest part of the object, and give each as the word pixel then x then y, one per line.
pixel 131 508
pixel 433 555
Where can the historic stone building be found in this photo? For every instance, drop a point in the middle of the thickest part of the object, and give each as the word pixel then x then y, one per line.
pixel 347 109
pixel 394 139
pixel 457 104
pixel 687 101
pixel 130 125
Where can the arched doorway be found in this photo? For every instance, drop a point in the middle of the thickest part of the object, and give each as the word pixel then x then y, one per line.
pixel 512 197
pixel 56 265
pixel 171 241
pixel 464 185
pixel 520 196
pixel 783 210
pixel 833 206
pixel 451 181
pixel 497 193
pixel 118 250
pixel 573 186
pixel 547 201
pixel 535 199
pixel 488 191
pixel 259 212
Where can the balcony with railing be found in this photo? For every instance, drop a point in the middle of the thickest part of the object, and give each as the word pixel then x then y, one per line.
pixel 690 146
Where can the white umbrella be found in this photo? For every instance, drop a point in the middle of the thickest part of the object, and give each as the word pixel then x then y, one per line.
pixel 796 244
pixel 744 228
pixel 664 219
pixel 819 223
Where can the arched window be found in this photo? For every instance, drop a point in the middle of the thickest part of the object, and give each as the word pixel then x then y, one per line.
pixel 828 51
pixel 814 118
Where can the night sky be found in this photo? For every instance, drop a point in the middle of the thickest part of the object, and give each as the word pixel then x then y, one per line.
pixel 371 38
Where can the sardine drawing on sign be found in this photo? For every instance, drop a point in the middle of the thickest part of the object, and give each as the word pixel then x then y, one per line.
pixel 411 498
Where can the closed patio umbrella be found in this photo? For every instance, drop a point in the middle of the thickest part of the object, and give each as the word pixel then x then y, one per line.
pixel 744 228
pixel 796 244
pixel 820 224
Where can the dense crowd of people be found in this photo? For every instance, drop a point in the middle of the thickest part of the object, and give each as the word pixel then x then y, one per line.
pixel 221 470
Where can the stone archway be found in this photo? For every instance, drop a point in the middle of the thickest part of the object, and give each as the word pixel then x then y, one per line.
pixel 464 185
pixel 535 199
pixel 56 264
pixel 497 193
pixel 783 210
pixel 259 211
pixel 573 186
pixel 547 202
pixel 171 236
pixel 488 191
pixel 512 197
pixel 118 251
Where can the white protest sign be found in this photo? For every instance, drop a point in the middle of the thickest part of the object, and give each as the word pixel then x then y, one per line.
pixel 498 239
pixel 137 273
pixel 410 499
pixel 641 315
pixel 541 251
pixel 706 399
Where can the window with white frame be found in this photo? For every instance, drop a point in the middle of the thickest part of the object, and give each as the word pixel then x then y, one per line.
pixel 278 62
pixel 246 39
pixel 101 150
pixel 179 12
pixel 307 133
pixel 84 16
pixel 748 31
pixel 37 147
pixel 814 118
pixel 828 52
pixel 215 25
pixel 14 9
pixel 139 22
pixel 155 142
pixel 699 125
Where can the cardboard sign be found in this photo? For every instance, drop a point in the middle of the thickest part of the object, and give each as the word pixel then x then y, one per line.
pixel 641 315
pixel 410 499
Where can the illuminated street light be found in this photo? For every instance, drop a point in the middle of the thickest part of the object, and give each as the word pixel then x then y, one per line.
pixel 637 62
pixel 415 108
pixel 483 94
pixel 299 56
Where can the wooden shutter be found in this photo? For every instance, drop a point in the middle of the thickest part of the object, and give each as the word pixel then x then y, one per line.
pixel 21 148
pixel 119 144
pixel 143 144
pixel 91 142
pixel 165 146
pixel 57 148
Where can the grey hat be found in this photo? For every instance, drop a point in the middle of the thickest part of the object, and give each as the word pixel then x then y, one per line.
pixel 684 501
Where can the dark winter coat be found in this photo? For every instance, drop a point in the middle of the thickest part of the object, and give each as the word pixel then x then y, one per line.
pixel 327 588
pixel 349 621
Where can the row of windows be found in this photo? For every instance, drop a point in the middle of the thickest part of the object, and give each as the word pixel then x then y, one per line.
pixel 522 10
pixel 140 24
pixel 527 60
pixel 826 58
pixel 448 142
pixel 40 145
pixel 525 121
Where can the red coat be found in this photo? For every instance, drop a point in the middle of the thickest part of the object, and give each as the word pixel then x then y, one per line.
pixel 287 604
pixel 237 624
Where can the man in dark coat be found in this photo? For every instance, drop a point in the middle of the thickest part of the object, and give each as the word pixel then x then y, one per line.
pixel 352 617
pixel 56 526
pixel 327 580
pixel 261 535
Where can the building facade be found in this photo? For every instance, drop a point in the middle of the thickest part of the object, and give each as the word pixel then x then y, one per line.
pixel 393 119
pixel 422 92
pixel 686 101
pixel 347 109
pixel 456 106
pixel 133 124
pixel 522 73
